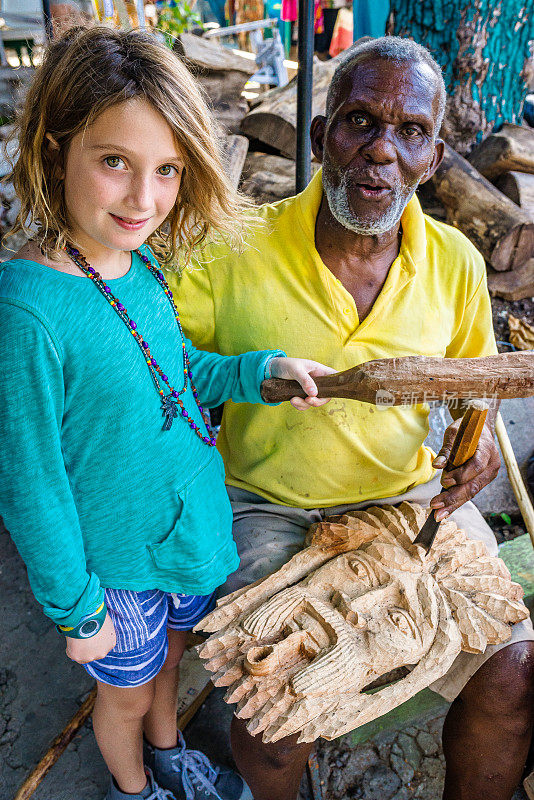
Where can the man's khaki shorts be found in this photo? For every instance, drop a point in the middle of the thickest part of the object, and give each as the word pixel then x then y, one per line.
pixel 267 535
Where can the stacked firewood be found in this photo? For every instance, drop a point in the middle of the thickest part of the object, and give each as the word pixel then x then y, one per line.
pixel 489 196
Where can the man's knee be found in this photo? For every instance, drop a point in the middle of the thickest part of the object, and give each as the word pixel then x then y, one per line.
pixel 281 754
pixel 504 687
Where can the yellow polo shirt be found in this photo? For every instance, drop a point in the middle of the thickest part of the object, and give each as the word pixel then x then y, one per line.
pixel 277 293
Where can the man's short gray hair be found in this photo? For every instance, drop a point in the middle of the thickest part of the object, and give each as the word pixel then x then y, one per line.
pixel 393 48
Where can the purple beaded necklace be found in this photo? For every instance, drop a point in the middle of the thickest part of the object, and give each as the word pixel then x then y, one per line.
pixel 171 404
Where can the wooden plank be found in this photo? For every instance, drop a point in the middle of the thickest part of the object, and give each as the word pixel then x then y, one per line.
pixel 513 285
pixel 235 153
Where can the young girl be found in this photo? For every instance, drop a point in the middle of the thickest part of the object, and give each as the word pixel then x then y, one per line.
pixel 109 480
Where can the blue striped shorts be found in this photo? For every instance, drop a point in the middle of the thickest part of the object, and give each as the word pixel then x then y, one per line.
pixel 141 620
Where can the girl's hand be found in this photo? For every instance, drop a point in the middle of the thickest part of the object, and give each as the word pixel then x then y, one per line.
pixel 98 646
pixel 301 370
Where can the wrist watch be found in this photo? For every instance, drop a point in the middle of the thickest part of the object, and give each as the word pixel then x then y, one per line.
pixel 88 626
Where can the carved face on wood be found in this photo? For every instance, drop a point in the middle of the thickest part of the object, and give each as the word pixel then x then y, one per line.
pixel 298 649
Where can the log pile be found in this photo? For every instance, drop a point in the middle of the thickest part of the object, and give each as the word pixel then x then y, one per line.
pixel 506 159
pixel 222 73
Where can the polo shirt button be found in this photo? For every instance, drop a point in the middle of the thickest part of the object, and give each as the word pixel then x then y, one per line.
pixel 346 310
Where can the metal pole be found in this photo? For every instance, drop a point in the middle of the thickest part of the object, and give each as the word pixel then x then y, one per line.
pixel 47 19
pixel 304 93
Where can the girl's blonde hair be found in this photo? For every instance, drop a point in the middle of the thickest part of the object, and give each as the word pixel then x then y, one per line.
pixel 86 72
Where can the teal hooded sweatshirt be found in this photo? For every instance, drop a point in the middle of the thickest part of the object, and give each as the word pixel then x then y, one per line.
pixel 93 491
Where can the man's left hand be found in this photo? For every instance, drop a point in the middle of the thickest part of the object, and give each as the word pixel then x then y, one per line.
pixel 463 483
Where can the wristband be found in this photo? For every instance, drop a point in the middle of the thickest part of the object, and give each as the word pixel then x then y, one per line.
pixel 88 626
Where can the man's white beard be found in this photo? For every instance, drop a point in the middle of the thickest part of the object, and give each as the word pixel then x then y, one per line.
pixel 338 200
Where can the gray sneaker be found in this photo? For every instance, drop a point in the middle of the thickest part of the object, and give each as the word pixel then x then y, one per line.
pixel 152 791
pixel 190 775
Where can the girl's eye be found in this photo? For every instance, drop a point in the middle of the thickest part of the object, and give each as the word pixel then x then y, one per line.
pixel 113 161
pixel 168 169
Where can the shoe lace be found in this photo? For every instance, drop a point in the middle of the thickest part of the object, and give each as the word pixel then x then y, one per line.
pixel 161 794
pixel 196 770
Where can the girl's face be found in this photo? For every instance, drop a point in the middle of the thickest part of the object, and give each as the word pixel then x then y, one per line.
pixel 122 176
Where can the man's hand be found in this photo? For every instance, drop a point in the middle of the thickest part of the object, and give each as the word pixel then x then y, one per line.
pixel 463 483
pixel 98 646
pixel 302 370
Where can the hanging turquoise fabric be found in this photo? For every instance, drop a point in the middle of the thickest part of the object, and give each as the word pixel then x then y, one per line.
pixel 370 17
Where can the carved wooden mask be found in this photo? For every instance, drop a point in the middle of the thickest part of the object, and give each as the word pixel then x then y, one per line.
pixel 298 648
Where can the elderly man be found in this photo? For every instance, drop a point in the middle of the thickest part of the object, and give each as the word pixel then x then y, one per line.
pixel 351 270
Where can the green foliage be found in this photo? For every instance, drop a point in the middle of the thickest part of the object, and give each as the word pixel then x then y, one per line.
pixel 176 17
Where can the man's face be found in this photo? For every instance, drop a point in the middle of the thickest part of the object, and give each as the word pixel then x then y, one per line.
pixel 379 142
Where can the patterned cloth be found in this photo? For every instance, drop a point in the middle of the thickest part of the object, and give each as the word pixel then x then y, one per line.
pixel 141 620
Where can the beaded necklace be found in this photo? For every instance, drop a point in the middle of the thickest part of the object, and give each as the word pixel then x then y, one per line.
pixel 171 403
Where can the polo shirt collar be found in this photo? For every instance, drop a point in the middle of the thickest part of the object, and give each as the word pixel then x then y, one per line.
pixel 413 244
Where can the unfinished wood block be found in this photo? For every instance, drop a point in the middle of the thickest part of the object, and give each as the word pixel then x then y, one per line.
pixel 235 153
pixel 519 187
pixel 268 178
pixel 274 120
pixel 222 73
pixel 513 285
pixel 512 148
pixel 298 649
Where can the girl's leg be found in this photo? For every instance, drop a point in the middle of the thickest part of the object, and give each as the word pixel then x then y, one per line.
pixel 118 726
pixel 159 723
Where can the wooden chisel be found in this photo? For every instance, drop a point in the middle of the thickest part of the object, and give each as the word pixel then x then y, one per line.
pixel 464 446
pixel 419 379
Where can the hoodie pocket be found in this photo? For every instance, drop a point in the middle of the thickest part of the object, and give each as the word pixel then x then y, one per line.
pixel 203 530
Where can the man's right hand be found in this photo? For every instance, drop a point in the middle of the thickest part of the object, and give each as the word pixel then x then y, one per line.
pixel 98 646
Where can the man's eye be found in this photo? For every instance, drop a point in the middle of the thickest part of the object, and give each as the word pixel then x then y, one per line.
pixel 358 119
pixel 168 169
pixel 113 161
pixel 412 131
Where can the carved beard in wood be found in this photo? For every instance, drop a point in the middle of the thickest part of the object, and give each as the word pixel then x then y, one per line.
pixel 298 648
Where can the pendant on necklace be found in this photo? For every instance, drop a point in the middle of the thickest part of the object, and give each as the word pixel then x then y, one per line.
pixel 170 411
